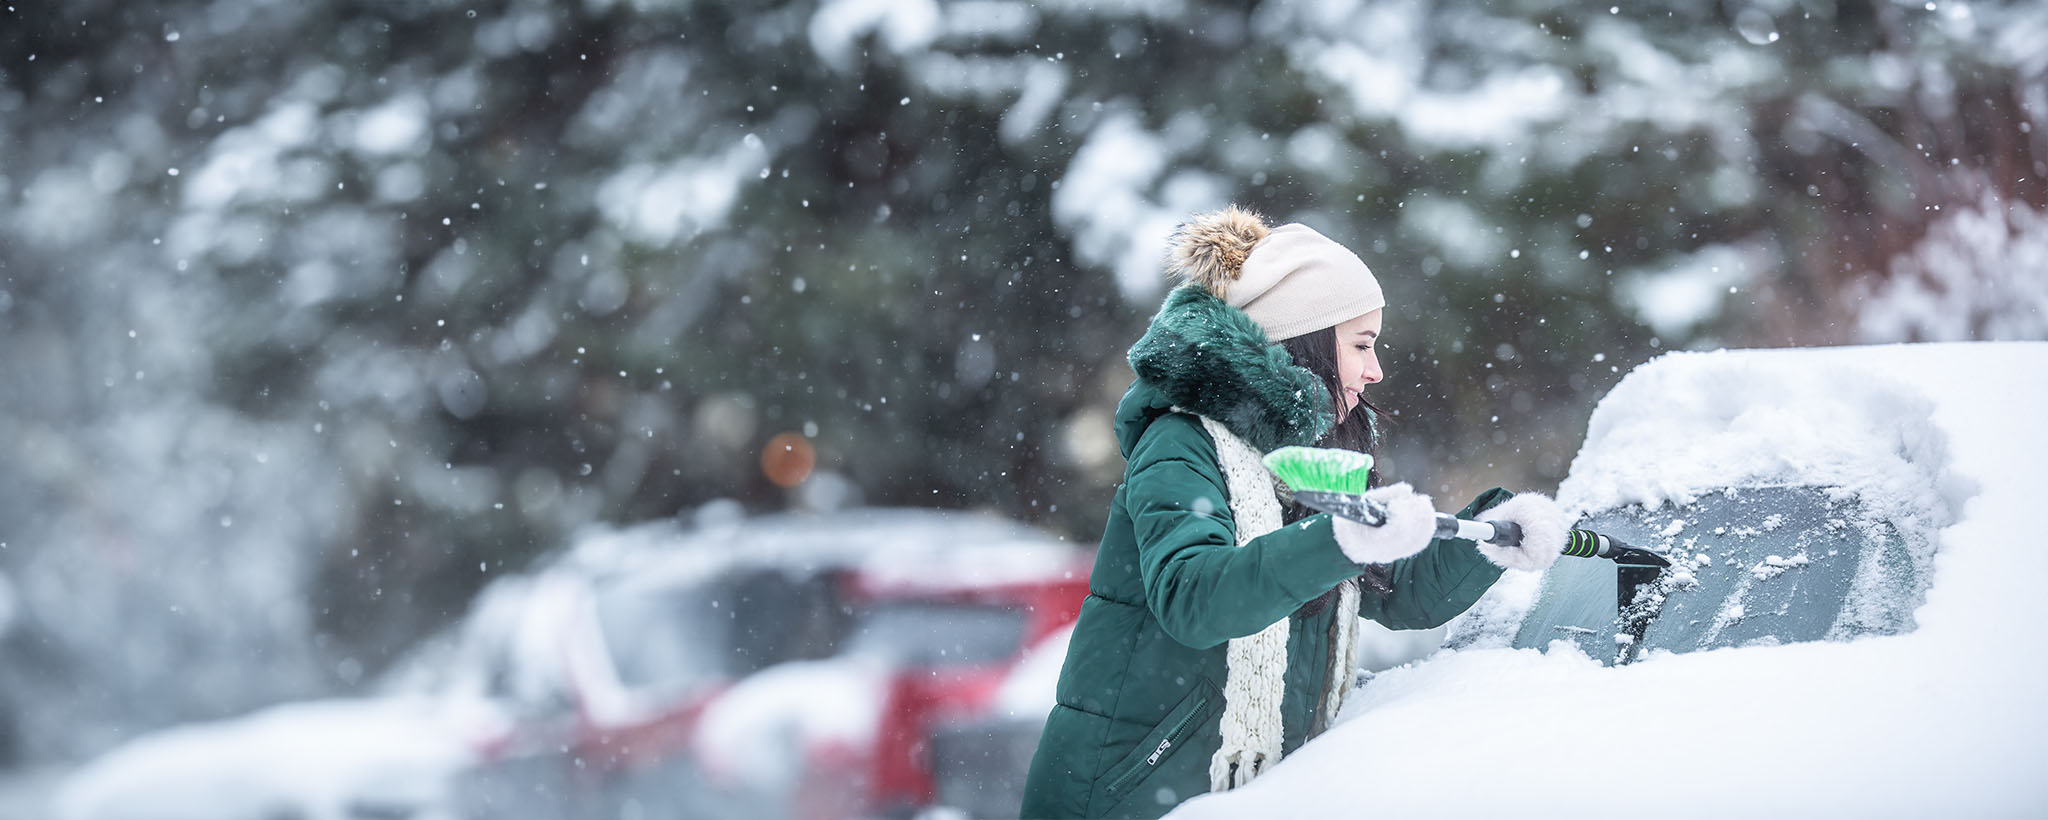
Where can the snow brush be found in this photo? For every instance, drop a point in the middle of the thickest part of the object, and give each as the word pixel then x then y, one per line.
pixel 1335 481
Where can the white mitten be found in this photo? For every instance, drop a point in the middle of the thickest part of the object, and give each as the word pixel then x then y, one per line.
pixel 1544 530
pixel 1411 521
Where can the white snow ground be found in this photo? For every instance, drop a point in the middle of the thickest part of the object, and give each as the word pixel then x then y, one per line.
pixel 1945 720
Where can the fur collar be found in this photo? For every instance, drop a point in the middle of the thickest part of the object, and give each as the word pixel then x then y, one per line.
pixel 1209 358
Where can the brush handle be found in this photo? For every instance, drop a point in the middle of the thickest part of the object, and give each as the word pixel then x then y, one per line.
pixel 1582 543
pixel 1503 533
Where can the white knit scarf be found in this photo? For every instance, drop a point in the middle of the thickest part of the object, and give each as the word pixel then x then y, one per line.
pixel 1256 680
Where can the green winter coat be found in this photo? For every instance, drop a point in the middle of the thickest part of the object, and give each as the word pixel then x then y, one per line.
pixel 1140 696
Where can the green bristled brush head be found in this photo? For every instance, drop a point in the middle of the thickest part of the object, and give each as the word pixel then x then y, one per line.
pixel 1321 470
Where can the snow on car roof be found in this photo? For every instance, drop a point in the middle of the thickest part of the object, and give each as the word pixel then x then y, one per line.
pixel 1944 720
pixel 893 546
pixel 526 614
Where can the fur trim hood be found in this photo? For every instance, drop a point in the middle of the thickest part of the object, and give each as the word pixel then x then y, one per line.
pixel 1206 357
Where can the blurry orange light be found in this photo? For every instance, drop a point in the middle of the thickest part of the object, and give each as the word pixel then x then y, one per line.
pixel 788 459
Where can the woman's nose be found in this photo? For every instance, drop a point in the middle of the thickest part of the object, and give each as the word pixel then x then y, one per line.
pixel 1372 371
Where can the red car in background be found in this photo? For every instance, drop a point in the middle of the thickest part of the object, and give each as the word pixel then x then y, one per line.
pixel 861 664
pixel 953 717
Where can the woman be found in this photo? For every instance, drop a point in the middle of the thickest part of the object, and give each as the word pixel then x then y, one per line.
pixel 1209 644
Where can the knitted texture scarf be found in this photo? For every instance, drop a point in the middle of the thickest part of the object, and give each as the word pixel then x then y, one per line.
pixel 1256 681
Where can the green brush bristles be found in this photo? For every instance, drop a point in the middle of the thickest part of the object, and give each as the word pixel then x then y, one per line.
pixel 1318 469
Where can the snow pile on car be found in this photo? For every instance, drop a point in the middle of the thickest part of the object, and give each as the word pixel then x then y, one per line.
pixel 1944 720
pixel 1690 423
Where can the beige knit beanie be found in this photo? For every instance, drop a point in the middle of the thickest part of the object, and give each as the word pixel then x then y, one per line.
pixel 1289 279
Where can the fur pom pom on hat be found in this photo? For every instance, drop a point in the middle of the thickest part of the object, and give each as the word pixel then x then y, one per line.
pixel 1289 279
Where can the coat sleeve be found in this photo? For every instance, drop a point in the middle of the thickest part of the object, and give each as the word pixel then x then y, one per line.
pixel 1433 586
pixel 1201 587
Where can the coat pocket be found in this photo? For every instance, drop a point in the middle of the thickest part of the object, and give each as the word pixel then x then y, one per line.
pixel 1165 740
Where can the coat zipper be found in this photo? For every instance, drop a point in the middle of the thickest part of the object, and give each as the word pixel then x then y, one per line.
pixel 1160 751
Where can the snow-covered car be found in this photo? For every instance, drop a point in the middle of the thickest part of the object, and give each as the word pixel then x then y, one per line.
pixel 787 666
pixel 1849 625
pixel 576 689
pixel 367 759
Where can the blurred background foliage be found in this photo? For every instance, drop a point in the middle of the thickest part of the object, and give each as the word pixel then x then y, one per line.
pixel 317 316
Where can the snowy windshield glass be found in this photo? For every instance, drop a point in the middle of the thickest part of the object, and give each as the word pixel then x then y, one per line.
pixel 938 634
pixel 669 638
pixel 1754 566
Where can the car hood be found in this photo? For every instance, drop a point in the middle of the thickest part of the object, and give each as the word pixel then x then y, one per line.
pixel 1943 720
pixel 312 759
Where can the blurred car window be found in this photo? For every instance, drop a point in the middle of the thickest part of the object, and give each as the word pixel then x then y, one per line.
pixel 673 637
pixel 923 633
pixel 665 639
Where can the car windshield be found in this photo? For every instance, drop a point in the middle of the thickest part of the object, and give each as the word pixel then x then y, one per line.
pixel 666 638
pixel 938 634
pixel 672 636
pixel 1753 566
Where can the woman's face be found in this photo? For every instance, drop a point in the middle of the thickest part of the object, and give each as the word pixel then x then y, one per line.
pixel 1358 360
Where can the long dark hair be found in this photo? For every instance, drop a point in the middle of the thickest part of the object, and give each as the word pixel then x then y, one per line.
pixel 1317 353
pixel 1358 431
